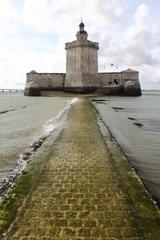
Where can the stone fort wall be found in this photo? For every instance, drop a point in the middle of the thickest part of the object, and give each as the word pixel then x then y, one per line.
pixel 124 82
pixel 110 79
pixel 46 80
pixel 43 81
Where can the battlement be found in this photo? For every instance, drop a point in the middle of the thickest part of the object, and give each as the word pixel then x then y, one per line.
pixel 82 43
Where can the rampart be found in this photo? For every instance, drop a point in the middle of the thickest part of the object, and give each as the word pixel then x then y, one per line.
pixel 37 82
pixel 110 83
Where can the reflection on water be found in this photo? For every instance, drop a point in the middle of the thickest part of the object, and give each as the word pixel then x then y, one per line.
pixel 135 122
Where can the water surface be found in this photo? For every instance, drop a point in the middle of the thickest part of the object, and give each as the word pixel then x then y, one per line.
pixel 135 123
pixel 23 121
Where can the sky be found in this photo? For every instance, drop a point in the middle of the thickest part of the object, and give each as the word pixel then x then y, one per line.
pixel 33 34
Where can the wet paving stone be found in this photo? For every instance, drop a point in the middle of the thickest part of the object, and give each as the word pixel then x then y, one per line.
pixel 79 194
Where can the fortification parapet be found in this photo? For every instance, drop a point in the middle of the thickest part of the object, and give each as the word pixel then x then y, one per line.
pixel 82 43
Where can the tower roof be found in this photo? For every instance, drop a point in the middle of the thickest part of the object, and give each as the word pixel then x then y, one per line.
pixel 129 70
pixel 82 34
pixel 81 25
pixel 33 71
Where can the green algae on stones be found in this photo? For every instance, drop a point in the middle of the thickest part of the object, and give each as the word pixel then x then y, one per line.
pixel 147 211
pixel 11 204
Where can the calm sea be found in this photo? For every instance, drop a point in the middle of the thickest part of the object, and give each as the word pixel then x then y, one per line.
pixel 135 123
pixel 24 123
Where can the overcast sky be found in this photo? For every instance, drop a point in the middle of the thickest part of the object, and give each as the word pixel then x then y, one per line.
pixel 33 34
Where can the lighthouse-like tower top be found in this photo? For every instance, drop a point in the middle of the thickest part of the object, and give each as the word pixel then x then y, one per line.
pixel 82 34
pixel 82 39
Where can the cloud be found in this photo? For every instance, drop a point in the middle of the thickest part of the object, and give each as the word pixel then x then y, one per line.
pixel 62 17
pixel 9 18
pixel 142 47
pixel 139 42
pixel 139 48
pixel 56 18
pixel 33 36
pixel 37 15
pixel 141 39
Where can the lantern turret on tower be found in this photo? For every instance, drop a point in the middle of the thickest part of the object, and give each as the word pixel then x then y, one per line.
pixel 82 34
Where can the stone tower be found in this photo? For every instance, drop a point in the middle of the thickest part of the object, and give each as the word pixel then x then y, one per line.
pixel 81 64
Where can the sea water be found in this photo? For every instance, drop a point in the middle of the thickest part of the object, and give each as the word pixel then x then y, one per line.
pixel 24 123
pixel 135 123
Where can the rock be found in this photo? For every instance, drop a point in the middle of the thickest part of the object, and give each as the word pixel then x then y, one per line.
pixel 138 124
pixel 118 108
pixel 32 91
pixel 130 118
pixel 26 155
pixel 132 88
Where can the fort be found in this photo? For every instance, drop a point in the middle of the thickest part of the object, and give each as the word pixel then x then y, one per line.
pixel 82 74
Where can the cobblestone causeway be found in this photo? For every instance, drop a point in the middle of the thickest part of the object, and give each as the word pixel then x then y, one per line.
pixel 79 194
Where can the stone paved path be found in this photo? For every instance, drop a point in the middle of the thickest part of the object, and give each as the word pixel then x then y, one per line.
pixel 79 194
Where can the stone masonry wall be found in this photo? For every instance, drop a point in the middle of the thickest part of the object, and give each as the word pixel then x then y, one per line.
pixel 110 79
pixel 46 80
pixel 120 83
pixel 131 83
pixel 115 83
pixel 81 65
pixel 36 82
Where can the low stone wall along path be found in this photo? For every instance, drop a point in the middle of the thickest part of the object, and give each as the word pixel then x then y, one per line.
pixel 79 194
